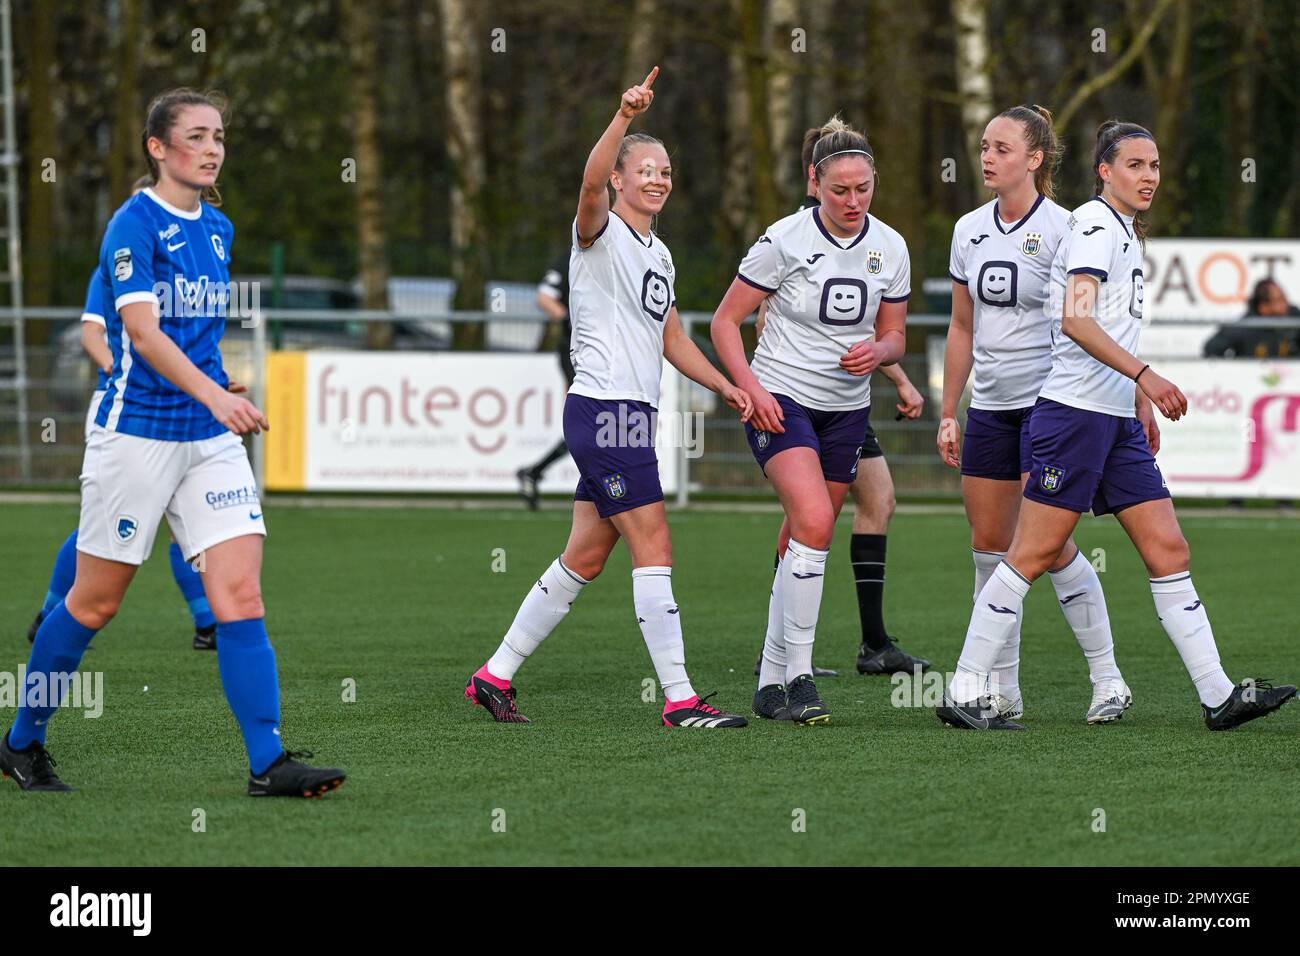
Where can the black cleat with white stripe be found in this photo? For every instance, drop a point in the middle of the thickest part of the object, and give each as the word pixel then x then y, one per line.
pixel 697 712
pixel 1250 700
pixel 289 778
pixel 32 768
pixel 979 714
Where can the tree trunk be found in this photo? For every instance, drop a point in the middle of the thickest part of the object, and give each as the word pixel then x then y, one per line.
pixel 739 225
pixel 372 235
pixel 641 51
pixel 40 145
pixel 763 182
pixel 974 80
pixel 784 17
pixel 465 152
pixel 821 83
pixel 895 132
pixel 125 157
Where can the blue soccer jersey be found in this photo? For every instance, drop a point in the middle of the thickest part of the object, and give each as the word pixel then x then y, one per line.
pixel 154 252
pixel 94 314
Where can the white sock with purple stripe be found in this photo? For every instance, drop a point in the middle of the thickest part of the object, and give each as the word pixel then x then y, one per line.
pixel 661 626
pixel 1078 589
pixel 543 608
pixel 1004 676
pixel 1188 626
pixel 803 574
pixel 994 618
pixel 772 668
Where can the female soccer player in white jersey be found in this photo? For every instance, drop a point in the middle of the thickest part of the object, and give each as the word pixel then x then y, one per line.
pixel 1089 449
pixel 625 324
pixel 167 442
pixel 95 344
pixel 1000 264
pixel 836 282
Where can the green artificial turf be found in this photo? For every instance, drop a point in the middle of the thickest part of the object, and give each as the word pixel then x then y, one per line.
pixel 405 602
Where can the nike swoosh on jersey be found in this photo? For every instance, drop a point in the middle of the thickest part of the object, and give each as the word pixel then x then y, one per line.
pixel 254 516
pixel 171 248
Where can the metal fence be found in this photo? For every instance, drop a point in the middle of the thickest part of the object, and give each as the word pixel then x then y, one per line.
pixel 59 381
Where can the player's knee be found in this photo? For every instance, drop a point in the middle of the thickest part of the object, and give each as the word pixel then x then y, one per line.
pixel 985 540
pixel 585 566
pixel 95 611
pixel 239 599
pixel 1171 555
pixel 814 529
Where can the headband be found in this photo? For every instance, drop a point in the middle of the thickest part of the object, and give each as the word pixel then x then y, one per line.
pixel 1139 134
pixel 841 152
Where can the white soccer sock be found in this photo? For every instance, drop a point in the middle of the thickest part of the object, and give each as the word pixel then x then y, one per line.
pixel 661 626
pixel 1004 677
pixel 1078 589
pixel 1188 626
pixel 543 608
pixel 772 668
pixel 803 572
pixel 993 619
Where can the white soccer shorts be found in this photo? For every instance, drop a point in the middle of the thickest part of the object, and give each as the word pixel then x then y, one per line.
pixel 95 399
pixel 205 489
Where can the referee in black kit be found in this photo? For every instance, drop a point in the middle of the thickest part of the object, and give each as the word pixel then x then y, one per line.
pixel 553 299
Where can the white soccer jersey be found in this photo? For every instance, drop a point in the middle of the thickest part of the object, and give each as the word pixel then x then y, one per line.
pixel 620 292
pixel 1006 267
pixel 1100 242
pixel 823 296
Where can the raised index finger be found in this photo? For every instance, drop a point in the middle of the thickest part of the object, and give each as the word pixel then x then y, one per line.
pixel 650 77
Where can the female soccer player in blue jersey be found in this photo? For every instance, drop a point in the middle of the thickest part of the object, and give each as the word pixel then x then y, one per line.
pixel 167 442
pixel 95 343
pixel 1089 450
pixel 625 324
pixel 1000 266
pixel 836 282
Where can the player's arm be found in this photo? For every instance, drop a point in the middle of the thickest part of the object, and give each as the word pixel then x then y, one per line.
pixel 760 322
pixel 554 309
pixel 958 360
pixel 593 200
pixel 95 342
pixel 910 399
pixel 886 347
pixel 1078 324
pixel 737 305
pixel 167 359
pixel 685 356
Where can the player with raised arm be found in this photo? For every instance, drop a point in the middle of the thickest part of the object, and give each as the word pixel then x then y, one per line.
pixel 1000 266
pixel 1090 451
pixel 167 441
pixel 625 324
pixel 872 492
pixel 95 343
pixel 836 281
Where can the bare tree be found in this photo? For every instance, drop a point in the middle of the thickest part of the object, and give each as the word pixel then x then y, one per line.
pixel 372 231
pixel 641 52
pixel 762 181
pixel 124 157
pixel 465 145
pixel 738 217
pixel 783 16
pixel 40 144
pixel 974 79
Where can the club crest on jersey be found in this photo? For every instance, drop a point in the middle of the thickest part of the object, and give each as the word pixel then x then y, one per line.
pixel 126 528
pixel 615 485
pixel 218 248
pixel 762 440
pixel 1051 479
pixel 875 261
pixel 1033 242
pixel 668 265
pixel 122 266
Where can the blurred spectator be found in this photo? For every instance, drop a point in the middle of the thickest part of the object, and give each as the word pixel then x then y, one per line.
pixel 1247 340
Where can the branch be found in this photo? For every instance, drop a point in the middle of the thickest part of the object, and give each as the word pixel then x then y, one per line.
pixel 1120 66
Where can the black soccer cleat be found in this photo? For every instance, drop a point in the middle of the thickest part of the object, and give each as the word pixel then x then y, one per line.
pixel 697 712
pixel 528 487
pixel 497 702
pixel 979 714
pixel 32 767
pixel 769 702
pixel 36 626
pixel 1250 699
pixel 205 638
pixel 289 778
pixel 891 659
pixel 805 704
pixel 817 671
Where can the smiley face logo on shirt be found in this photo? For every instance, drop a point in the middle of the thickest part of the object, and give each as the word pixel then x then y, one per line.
pixel 1138 295
pixel 844 301
pixel 655 295
pixel 997 283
